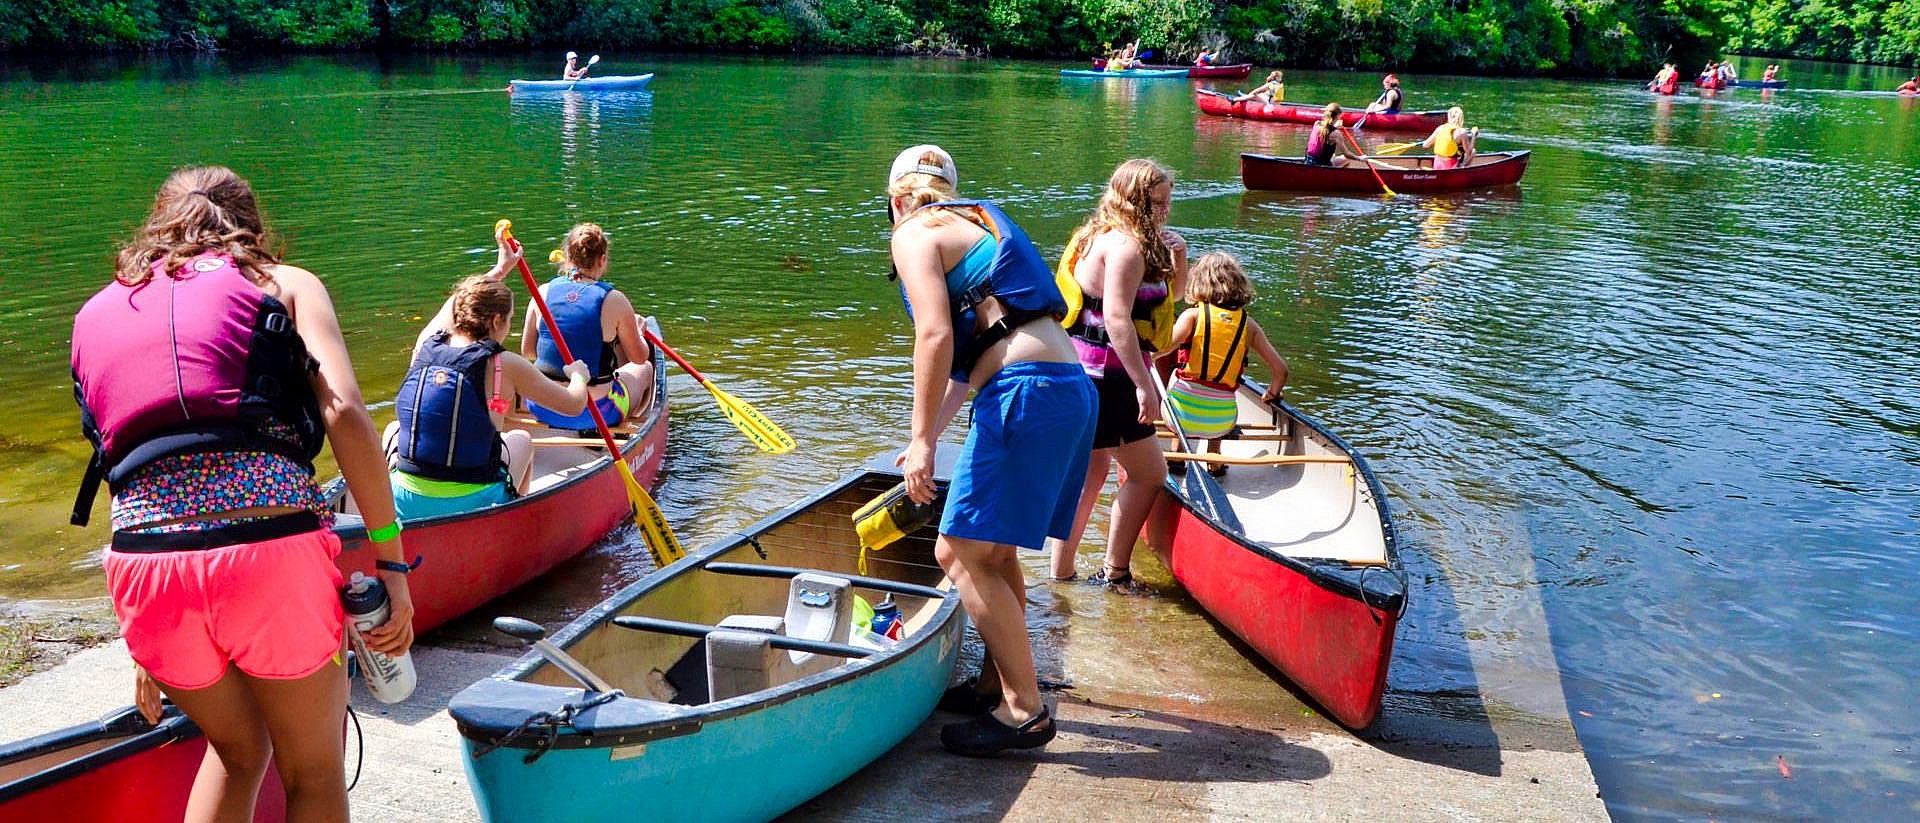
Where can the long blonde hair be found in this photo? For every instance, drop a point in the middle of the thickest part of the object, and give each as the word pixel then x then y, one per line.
pixel 197 210
pixel 1127 206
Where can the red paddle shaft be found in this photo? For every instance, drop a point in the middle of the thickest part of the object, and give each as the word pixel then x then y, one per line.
pixel 652 338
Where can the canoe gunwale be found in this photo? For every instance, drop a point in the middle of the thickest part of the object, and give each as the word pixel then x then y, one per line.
pixel 635 720
pixel 135 739
pixel 1346 579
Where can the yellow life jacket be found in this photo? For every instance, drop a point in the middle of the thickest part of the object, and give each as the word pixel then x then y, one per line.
pixel 1217 353
pixel 1152 319
pixel 1443 143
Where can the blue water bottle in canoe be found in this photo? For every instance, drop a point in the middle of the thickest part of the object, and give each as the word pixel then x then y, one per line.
pixel 886 619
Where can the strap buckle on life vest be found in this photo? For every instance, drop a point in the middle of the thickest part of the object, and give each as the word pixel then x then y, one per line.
pixel 89 487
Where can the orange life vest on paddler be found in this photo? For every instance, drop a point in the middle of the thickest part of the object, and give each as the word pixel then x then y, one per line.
pixel 1216 355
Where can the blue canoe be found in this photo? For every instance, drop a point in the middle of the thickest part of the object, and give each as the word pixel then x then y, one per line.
pixel 630 82
pixel 787 725
pixel 1125 75
pixel 1760 84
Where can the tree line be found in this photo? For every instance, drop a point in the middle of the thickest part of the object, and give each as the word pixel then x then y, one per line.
pixel 1484 36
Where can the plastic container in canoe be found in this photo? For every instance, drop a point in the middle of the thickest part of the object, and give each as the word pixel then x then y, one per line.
pixel 631 82
pixel 1129 74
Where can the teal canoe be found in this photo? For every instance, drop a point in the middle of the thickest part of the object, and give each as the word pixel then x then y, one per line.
pixel 718 716
pixel 629 82
pixel 1130 74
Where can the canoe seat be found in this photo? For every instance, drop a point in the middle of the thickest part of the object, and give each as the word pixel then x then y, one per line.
pixel 819 607
pixel 740 659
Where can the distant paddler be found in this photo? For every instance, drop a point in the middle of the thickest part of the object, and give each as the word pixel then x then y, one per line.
pixel 573 69
pixel 600 327
pixel 1771 74
pixel 1390 97
pixel 1665 80
pixel 1911 86
pixel 448 450
pixel 1272 91
pixel 1323 148
pixel 1126 58
pixel 1452 142
pixel 1206 58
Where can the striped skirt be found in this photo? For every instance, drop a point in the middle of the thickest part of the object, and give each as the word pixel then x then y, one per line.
pixel 1203 411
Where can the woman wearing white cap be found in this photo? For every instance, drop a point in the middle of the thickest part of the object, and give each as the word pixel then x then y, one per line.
pixel 985 308
pixel 575 71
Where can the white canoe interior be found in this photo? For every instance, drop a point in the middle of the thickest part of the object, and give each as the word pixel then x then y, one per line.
pixel 1309 510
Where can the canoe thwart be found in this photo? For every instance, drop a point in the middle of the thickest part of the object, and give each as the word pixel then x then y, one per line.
pixel 1259 460
pixel 1261 435
pixel 874 583
pixel 701 630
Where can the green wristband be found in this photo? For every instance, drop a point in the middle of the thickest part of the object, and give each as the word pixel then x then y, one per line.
pixel 384 533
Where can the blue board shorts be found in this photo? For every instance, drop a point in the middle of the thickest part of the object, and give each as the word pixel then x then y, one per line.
pixel 613 409
pixel 1018 478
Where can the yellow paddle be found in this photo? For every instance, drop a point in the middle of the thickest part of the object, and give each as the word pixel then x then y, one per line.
pixel 659 536
pixel 762 431
pixel 1394 148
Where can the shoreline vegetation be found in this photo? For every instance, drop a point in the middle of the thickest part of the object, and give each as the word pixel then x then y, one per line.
pixel 1501 37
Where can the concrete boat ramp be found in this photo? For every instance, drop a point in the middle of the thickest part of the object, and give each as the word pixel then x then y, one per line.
pixel 1184 731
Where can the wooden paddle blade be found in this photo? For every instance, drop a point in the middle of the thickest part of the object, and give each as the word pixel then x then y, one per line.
pixel 654 529
pixel 763 432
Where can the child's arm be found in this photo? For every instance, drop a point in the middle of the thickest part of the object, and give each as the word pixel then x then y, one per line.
pixel 1183 327
pixel 1275 363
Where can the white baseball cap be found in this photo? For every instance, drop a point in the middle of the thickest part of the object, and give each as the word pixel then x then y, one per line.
pixel 571 55
pixel 908 162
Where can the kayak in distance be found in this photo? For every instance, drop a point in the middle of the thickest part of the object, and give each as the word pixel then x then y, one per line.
pixel 1220 105
pixel 629 82
pixel 1760 84
pixel 1233 71
pixel 1406 173
pixel 1129 74
pixel 1309 576
pixel 117 768
pixel 746 686
pixel 574 498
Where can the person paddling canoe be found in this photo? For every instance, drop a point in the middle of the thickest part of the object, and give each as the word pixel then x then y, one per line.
pixel 600 328
pixel 1771 74
pixel 1206 58
pixel 1390 98
pixel 1911 86
pixel 573 69
pixel 1452 142
pixel 1664 81
pixel 448 451
pixel 1272 91
pixel 1323 147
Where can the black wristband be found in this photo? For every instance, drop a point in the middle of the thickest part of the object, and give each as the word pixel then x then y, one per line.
pixel 398 566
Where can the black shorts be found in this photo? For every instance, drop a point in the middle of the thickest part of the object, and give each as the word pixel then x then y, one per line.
pixel 1118 422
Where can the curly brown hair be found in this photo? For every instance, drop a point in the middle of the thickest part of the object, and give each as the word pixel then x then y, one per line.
pixel 477 302
pixel 199 209
pixel 1127 206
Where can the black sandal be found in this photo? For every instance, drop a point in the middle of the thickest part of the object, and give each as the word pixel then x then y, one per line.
pixel 986 736
pixel 1108 578
pixel 966 697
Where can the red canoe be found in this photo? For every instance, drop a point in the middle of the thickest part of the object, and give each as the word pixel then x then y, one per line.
pixel 574 499
pixel 117 768
pixel 1309 576
pixel 1261 172
pixel 1219 106
pixel 1235 71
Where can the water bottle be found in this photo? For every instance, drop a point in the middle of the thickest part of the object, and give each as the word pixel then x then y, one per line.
pixel 389 679
pixel 886 619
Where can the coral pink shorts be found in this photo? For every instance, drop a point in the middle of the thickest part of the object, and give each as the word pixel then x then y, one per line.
pixel 270 608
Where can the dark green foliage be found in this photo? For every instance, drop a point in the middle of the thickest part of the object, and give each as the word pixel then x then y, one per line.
pixel 1504 36
pixel 1860 30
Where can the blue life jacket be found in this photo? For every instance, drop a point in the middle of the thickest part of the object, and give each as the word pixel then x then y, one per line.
pixel 1017 277
pixel 576 310
pixel 446 432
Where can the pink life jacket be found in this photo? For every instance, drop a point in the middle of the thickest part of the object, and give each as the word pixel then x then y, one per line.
pixel 188 361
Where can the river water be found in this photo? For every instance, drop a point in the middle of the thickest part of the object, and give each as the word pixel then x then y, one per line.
pixel 1647 421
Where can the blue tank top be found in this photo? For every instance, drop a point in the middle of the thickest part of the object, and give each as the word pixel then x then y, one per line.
pixel 446 430
pixel 1004 266
pixel 576 310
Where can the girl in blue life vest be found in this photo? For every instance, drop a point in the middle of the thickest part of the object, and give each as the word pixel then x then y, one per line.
pixel 448 451
pixel 601 330
pixel 1213 339
pixel 985 316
